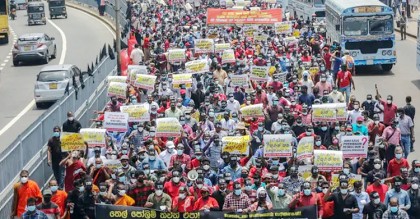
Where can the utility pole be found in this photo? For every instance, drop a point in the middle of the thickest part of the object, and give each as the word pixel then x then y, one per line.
pixel 118 35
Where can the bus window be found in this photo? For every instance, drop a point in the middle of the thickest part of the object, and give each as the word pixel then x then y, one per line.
pixel 319 2
pixel 3 7
pixel 355 26
pixel 319 13
pixel 380 25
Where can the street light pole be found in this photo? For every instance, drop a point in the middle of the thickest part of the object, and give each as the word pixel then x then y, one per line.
pixel 118 35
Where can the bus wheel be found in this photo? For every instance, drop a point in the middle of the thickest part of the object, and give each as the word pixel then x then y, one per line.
pixel 387 67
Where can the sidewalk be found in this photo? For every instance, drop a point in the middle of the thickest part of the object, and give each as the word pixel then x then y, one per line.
pixel 411 25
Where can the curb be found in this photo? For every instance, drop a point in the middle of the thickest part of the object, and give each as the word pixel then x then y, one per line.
pixel 93 13
pixel 408 34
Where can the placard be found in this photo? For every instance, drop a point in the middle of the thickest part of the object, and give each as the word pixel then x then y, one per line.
pixel 133 70
pixel 116 121
pixel 313 71
pixel 203 46
pixel 238 80
pixel 228 56
pixel 122 79
pixel 249 30
pixel 94 137
pixel 197 66
pixel 72 141
pixel 145 81
pixel 178 79
pixel 324 112
pixel 220 47
pixel 117 89
pixel 354 146
pixel 113 165
pixel 283 27
pixel 236 144
pixel 305 148
pixel 327 160
pixel 260 36
pixel 168 127
pixel 136 113
pixel 279 145
pixel 259 73
pixel 255 110
pixel 176 55
pixel 341 113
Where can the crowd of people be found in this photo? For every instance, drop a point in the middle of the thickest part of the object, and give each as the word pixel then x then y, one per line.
pixel 193 172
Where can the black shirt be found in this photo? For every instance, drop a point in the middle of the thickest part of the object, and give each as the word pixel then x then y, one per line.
pixel 54 144
pixel 73 126
pixel 414 210
pixel 410 111
pixel 369 107
pixel 374 211
pixel 220 198
pixel 339 204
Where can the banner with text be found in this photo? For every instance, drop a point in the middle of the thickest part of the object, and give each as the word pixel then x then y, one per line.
pixel 354 146
pixel 228 56
pixel 116 121
pixel 145 81
pixel 283 27
pixel 324 112
pixel 327 160
pixel 178 79
pixel 94 137
pixel 255 110
pixel 203 46
pixel 168 127
pixel 136 113
pixel 176 55
pixel 220 47
pixel 117 89
pixel 71 141
pixel 133 70
pixel 236 144
pixel 122 79
pixel 222 17
pixel 279 145
pixel 259 73
pixel 197 66
pixel 305 148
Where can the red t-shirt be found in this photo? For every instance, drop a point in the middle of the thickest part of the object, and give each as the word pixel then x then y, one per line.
pixel 381 189
pixel 184 205
pixel 344 78
pixel 172 189
pixel 73 172
pixel 394 166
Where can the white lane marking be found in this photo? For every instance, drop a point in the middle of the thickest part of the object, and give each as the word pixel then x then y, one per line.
pixel 3 64
pixel 32 103
pixel 8 56
pixel 6 60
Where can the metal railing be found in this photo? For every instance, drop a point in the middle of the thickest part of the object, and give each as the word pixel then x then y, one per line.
pixel 29 150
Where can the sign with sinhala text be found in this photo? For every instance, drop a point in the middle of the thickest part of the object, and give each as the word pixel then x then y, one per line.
pixel 327 160
pixel 236 144
pixel 168 127
pixel 72 141
pixel 93 137
pixel 279 145
pixel 116 121
pixel 354 146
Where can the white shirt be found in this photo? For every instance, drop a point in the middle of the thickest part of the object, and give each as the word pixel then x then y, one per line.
pixel 166 156
pixel 228 125
pixel 137 56
pixel 353 115
pixel 233 106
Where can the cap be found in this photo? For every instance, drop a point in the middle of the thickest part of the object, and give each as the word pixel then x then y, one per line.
pixel 240 125
pixel 359 119
pixel 182 91
pixel 205 189
pixel 170 144
pixel 47 192
pixel 124 157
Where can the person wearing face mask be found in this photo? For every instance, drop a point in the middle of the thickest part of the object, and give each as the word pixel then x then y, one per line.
pixel 257 136
pixel 277 125
pixel 359 126
pixel 75 201
pixel 206 202
pixel 415 170
pixel 234 169
pixel 293 181
pixel 389 109
pixel 262 203
pixel 99 172
pixel 406 126
pixel 220 193
pixel 318 144
pixel 323 85
pixel 168 153
pixel 298 127
pixel 141 190
pixel 315 177
pixel 337 97
pixel 369 105
pixel 173 186
pixel 75 168
pixel 126 168
pixel 395 210
pixel 228 124
pixel 232 104
pixel 120 198
pixel 375 208
pixel 182 158
pixel 414 195
pixel 236 201
pixel 305 198
pixel 59 197
pixel 71 124
pixel 32 211
pixel 345 204
pixel 154 162
pixel 397 163
pixel 23 190
pixel 362 198
pixel 306 97
pixel 327 207
pixel 355 113
pixel 97 154
pixel 137 135
pixel 278 196
pixel 55 155
pixel 375 129
pixel 173 111
pixel 50 208
pixel 399 193
pixel 89 197
pixel 184 202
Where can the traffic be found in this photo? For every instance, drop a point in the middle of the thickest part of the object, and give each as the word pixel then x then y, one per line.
pixel 233 109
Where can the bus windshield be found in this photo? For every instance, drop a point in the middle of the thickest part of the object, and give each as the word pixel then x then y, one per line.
pixel 380 25
pixel 3 9
pixel 355 26
pixel 35 9
pixel 318 3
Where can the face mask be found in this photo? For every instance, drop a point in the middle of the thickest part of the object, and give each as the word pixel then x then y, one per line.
pixel 238 192
pixel 175 179
pixel 356 107
pixel 152 158
pixel 180 152
pixel 102 193
pixel 24 180
pixel 325 191
pixel 260 128
pixel 248 188
pixel 71 119
pixel 323 79
pixel 182 122
pixel 324 128
pixel 417 170
pixel 394 209
pixel 54 188
pixel 187 117
pixel 376 201
pixel 121 179
pixel 31 208
pixel 124 151
pixel 81 189
pixel 377 166
pixel 389 101
pixel 343 191
pixel 318 143
pixel 308 133
pixel 281 192
pixel 334 91
pixel 346 171
pixel 152 134
pixel 98 166
pixel 182 196
pixel 369 101
pixel 415 186
pixel 231 99
pixel 56 134
pixel 147 171
pixel 121 192
pixel 140 129
pixel 158 192
pixel 206 167
pixel 398 156
pixel 199 186
pixel 113 157
pixel 275 102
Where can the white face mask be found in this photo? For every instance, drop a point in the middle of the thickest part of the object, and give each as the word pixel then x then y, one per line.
pixel 376 201
pixel 415 186
pixel 121 192
pixel 182 196
pixel 325 191
pixel 24 180
pixel 158 192
pixel 377 166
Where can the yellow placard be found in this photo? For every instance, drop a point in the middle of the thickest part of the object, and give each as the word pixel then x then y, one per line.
pixel 197 66
pixel 176 55
pixel 283 27
pixel 352 178
pixel 341 114
pixel 313 71
pixel 94 137
pixel 305 148
pixel 220 47
pixel 203 46
pixel 327 160
pixel 236 144
pixel 136 113
pixel 249 30
pixel 279 145
pixel 72 141
pixel 260 37
pixel 259 73
pixel 178 79
pixel 122 79
pixel 238 80
pixel 228 56
pixel 114 165
pixel 168 127
pixel 255 110
pixel 324 112
pixel 145 81
pixel 133 70
pixel 296 33
pixel 117 89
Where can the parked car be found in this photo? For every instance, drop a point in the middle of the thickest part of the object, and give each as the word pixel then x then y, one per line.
pixel 33 47
pixel 53 81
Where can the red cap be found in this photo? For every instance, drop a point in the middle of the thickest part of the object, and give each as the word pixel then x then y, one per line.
pixel 359 119
pixel 182 91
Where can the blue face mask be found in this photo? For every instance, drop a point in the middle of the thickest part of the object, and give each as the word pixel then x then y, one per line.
pixel 394 209
pixel 56 134
pixel 307 192
pixel 398 156
pixel 54 188
pixel 275 162
pixel 121 179
pixel 324 128
pixel 280 192
pixel 238 192
pixel 134 126
pixel 31 208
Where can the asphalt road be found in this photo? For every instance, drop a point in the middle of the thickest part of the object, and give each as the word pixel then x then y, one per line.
pixel 79 39
pixel 403 80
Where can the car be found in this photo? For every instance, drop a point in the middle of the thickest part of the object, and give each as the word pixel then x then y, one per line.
pixel 34 47
pixel 53 81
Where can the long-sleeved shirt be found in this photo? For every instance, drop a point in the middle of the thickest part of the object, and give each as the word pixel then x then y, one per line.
pixel 403 198
pixel 362 199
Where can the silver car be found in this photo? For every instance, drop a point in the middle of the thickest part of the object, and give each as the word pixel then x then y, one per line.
pixel 34 47
pixel 53 81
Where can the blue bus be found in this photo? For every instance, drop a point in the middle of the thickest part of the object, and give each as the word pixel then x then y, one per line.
pixel 365 28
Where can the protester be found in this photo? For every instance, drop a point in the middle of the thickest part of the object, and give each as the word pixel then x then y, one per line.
pixel 24 191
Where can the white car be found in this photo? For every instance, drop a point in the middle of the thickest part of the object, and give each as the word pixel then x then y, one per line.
pixel 53 81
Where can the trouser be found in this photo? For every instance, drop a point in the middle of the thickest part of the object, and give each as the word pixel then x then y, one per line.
pixel 101 10
pixel 406 144
pixel 403 30
pixel 346 91
pixel 58 172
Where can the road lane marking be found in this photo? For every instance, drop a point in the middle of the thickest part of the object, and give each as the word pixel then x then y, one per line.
pixel 3 64
pixel 32 103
